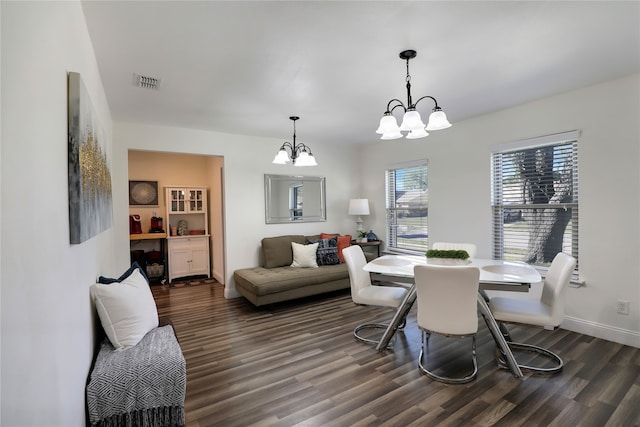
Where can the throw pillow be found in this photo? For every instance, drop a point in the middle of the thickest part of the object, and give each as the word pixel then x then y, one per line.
pixel 327 253
pixel 304 255
pixel 343 242
pixel 126 309
pixel 135 265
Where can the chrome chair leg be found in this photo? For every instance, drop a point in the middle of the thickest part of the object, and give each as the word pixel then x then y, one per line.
pixel 362 339
pixel 557 366
pixel 447 380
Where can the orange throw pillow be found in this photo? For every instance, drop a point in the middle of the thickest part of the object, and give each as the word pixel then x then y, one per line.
pixel 343 242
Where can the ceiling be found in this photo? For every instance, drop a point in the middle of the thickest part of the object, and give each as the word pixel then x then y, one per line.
pixel 244 67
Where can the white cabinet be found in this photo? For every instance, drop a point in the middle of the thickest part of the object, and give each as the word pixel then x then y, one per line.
pixel 186 200
pixel 188 226
pixel 188 256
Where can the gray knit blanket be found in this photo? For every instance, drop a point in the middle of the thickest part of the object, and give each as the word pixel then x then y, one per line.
pixel 141 386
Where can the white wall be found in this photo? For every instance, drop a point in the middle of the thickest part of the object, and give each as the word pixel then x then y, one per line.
pixel 246 160
pixel 47 321
pixel 609 154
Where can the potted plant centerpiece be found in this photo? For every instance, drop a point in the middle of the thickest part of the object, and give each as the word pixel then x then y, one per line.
pixel 362 236
pixel 447 257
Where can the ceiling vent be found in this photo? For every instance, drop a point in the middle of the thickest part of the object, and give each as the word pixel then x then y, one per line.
pixel 146 82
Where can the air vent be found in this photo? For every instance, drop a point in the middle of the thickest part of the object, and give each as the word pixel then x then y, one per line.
pixel 146 82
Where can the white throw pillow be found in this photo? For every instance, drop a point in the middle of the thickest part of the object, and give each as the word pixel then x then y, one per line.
pixel 304 255
pixel 126 309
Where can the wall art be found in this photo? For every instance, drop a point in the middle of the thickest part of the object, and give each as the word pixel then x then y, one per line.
pixel 90 199
pixel 143 193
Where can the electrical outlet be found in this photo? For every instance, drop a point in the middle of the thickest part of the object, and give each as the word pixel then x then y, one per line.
pixel 623 307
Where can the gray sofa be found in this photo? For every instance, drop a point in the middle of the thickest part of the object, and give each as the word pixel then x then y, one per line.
pixel 277 281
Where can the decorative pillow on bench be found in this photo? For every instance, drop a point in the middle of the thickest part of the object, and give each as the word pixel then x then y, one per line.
pixel 126 307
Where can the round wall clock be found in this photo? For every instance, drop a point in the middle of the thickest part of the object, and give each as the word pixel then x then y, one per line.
pixel 143 193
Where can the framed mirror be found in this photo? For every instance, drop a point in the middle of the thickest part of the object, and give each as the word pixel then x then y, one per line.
pixel 290 198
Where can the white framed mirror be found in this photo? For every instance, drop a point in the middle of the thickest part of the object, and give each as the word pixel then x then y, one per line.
pixel 291 198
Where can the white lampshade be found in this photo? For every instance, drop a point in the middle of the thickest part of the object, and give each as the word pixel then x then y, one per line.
pixel 281 158
pixel 418 133
pixel 312 160
pixel 302 159
pixel 388 124
pixel 359 207
pixel 305 159
pixel 438 120
pixel 392 135
pixel 411 121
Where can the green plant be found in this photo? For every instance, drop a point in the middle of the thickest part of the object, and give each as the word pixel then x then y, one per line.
pixel 451 253
pixel 362 234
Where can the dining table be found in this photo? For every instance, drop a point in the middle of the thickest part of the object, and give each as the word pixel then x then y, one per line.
pixel 495 274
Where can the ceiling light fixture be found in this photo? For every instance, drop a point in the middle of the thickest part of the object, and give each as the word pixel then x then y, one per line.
pixel 411 121
pixel 300 153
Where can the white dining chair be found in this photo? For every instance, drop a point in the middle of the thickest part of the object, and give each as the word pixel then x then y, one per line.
pixel 445 246
pixel 363 292
pixel 547 312
pixel 447 305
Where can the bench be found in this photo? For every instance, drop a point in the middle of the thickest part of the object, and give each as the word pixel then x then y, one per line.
pixel 143 385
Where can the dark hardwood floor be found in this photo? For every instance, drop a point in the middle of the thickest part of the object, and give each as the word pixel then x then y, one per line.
pixel 297 364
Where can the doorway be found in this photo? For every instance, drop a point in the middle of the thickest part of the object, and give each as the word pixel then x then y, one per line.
pixel 180 169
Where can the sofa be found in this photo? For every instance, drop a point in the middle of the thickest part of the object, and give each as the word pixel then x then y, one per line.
pixel 276 280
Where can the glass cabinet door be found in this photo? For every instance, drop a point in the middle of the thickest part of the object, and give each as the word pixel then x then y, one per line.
pixel 196 201
pixel 178 201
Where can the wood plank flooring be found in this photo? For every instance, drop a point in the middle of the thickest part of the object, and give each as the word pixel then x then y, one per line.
pixel 297 364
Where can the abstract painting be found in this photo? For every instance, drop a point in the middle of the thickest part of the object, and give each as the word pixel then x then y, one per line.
pixel 90 200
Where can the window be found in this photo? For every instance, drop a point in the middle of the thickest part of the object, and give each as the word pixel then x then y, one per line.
pixel 295 200
pixel 535 199
pixel 407 207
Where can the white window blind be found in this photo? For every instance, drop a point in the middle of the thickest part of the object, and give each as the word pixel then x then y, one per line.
pixel 535 200
pixel 407 207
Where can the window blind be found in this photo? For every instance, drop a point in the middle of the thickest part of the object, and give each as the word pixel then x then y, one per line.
pixel 407 207
pixel 535 202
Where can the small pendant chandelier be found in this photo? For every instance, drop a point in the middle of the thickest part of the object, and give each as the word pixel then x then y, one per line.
pixel 300 153
pixel 411 121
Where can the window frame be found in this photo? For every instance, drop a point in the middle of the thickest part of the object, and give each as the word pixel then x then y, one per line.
pixel 392 213
pixel 499 205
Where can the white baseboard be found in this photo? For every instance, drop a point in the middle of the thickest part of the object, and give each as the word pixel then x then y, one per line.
pixel 231 293
pixel 605 332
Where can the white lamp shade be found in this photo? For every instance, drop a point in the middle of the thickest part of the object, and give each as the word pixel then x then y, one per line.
pixel 411 121
pixel 359 207
pixel 305 159
pixel 438 120
pixel 302 159
pixel 418 133
pixel 392 135
pixel 388 124
pixel 281 158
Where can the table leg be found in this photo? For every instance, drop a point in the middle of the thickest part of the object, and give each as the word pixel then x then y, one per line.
pixel 401 313
pixel 498 337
